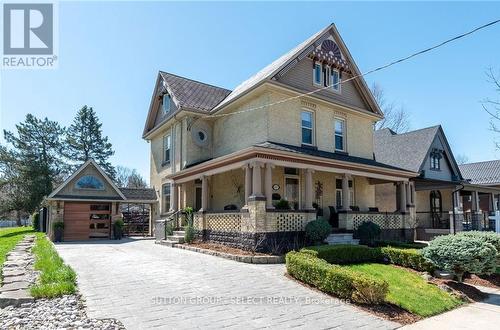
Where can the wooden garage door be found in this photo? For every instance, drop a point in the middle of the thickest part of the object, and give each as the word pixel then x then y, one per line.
pixel 76 221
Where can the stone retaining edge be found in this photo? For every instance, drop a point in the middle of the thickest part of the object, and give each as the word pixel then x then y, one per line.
pixel 234 257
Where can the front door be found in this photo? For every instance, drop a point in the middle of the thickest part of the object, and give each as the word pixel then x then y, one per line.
pixel 292 192
pixel 197 199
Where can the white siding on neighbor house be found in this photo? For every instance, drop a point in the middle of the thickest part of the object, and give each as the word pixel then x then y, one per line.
pixel 446 172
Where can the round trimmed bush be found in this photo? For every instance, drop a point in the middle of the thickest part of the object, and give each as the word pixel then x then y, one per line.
pixel 460 254
pixel 368 232
pixel 318 230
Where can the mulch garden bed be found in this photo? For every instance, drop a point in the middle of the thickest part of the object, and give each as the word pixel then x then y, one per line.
pixel 491 281
pixel 225 249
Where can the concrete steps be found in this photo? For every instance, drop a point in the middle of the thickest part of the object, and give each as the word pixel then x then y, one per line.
pixel 176 238
pixel 341 238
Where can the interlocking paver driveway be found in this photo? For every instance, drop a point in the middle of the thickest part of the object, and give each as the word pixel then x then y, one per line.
pixel 150 286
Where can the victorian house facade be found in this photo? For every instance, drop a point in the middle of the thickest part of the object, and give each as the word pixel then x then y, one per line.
pixel 291 143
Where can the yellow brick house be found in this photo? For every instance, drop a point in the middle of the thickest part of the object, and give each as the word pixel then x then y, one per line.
pixel 291 143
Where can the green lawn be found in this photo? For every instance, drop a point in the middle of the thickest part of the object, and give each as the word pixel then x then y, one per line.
pixel 409 291
pixel 56 277
pixel 9 237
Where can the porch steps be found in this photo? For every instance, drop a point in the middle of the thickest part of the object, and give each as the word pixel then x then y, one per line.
pixel 341 238
pixel 176 238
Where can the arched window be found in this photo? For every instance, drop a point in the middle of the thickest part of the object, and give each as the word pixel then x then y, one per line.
pixel 435 199
pixel 89 182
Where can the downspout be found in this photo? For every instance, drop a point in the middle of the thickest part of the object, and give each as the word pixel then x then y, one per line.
pixel 453 206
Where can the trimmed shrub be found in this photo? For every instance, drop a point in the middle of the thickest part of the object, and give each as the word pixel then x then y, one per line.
pixel 342 282
pixel 189 234
pixel 461 253
pixel 401 245
pixel 344 254
pixel 282 204
pixel 368 232
pixel 409 258
pixel 318 230
pixel 486 236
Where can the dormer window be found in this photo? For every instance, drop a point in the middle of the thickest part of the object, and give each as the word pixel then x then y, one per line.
pixel 435 160
pixel 317 74
pixel 166 103
pixel 335 80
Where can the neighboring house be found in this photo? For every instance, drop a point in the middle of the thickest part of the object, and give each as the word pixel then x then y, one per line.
pixel 88 202
pixel 485 174
pixel 440 186
pixel 300 130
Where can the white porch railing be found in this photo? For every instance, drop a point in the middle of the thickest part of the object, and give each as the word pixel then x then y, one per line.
pixel 352 220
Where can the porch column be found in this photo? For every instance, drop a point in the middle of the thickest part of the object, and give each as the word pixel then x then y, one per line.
pixel 475 201
pixel 181 196
pixel 493 204
pixel 309 190
pixel 204 193
pixel 256 180
pixel 456 198
pixel 413 195
pixel 268 186
pixel 248 182
pixel 408 194
pixel 173 197
pixel 346 196
pixel 402 196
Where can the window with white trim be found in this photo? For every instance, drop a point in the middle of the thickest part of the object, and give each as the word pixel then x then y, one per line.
pixel 435 162
pixel 326 76
pixel 339 134
pixel 307 123
pixel 317 74
pixel 167 147
pixel 166 103
pixel 166 197
pixel 335 80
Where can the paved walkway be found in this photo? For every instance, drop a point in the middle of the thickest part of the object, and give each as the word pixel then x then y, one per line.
pixel 478 316
pixel 149 286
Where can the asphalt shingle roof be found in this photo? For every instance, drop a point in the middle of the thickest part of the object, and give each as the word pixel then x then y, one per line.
pixel 487 173
pixel 142 194
pixel 405 150
pixel 324 154
pixel 194 94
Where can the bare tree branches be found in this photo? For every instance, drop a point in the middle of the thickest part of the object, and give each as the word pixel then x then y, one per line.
pixel 129 178
pixel 492 106
pixel 461 159
pixel 396 117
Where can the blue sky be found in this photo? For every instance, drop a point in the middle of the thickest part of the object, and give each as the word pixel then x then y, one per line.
pixel 110 53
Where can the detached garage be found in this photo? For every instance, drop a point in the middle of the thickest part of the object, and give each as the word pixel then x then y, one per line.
pixel 88 203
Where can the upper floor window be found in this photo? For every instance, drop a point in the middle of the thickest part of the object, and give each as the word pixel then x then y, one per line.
pixel 335 80
pixel 167 146
pixel 307 127
pixel 166 103
pixel 89 182
pixel 435 160
pixel 339 134
pixel 317 73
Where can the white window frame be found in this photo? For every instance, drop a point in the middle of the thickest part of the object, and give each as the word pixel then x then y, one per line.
pixel 313 126
pixel 339 85
pixel 165 198
pixel 326 76
pixel 435 163
pixel 338 203
pixel 320 83
pixel 344 135
pixel 163 103
pixel 299 183
pixel 167 137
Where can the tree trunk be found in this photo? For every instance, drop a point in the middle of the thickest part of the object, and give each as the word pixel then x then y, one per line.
pixel 18 220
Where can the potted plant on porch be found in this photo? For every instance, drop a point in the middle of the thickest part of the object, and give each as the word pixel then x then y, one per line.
pixel 118 229
pixel 58 227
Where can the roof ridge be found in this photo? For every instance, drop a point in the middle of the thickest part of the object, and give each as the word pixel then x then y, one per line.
pixel 194 80
pixel 417 130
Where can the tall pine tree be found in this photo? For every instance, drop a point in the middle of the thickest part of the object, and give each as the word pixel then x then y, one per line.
pixel 84 140
pixel 32 163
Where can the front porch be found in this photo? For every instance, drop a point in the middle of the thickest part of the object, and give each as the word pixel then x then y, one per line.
pixel 275 197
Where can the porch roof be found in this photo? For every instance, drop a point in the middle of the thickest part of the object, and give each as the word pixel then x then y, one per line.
pixel 431 184
pixel 298 157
